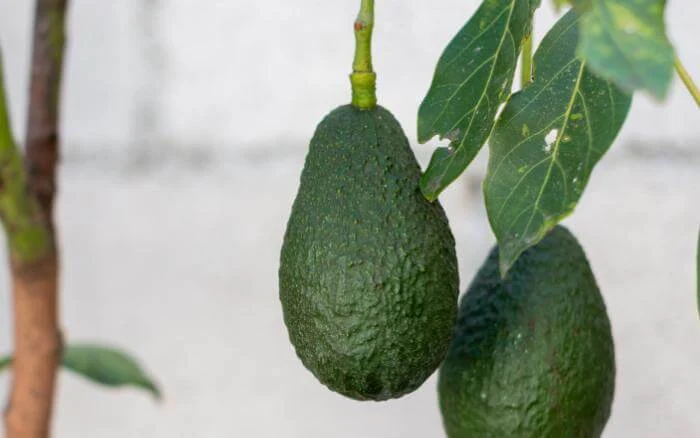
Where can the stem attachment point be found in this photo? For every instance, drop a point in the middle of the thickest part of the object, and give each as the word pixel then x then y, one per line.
pixel 364 89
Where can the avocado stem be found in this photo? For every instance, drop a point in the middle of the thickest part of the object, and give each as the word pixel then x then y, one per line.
pixel 363 78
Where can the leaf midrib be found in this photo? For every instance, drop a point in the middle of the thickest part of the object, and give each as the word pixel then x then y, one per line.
pixel 539 92
pixel 490 58
pixel 506 28
pixel 555 151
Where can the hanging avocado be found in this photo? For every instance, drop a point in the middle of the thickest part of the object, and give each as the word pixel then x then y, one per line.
pixel 368 276
pixel 532 355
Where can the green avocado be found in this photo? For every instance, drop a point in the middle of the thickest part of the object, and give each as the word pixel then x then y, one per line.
pixel 368 276
pixel 532 355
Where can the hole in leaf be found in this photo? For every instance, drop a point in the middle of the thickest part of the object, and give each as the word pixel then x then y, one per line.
pixel 550 139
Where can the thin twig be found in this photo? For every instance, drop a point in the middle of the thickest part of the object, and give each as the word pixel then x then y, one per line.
pixel 687 80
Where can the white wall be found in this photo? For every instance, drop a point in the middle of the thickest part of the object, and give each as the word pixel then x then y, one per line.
pixel 230 76
pixel 103 70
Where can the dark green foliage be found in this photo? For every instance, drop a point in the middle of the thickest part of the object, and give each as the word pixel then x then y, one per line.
pixel 533 353
pixel 368 275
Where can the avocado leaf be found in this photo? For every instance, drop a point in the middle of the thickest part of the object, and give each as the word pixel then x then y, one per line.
pixel 473 77
pixel 625 41
pixel 102 365
pixel 107 366
pixel 546 142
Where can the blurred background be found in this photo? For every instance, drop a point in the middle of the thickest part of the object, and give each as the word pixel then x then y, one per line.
pixel 185 125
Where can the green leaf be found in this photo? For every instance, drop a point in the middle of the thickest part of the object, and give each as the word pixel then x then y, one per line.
pixel 107 366
pixel 625 41
pixel 473 77
pixel 103 365
pixel 546 142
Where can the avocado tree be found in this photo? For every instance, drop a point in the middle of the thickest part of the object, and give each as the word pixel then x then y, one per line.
pixel 366 281
pixel 27 189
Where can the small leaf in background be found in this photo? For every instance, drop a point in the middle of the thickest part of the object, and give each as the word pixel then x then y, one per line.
pixel 546 142
pixel 473 77
pixel 625 41
pixel 107 366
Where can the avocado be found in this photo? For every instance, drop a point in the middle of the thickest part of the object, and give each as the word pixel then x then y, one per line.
pixel 532 355
pixel 368 275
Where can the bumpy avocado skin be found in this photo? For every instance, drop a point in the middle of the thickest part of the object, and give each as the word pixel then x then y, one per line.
pixel 368 276
pixel 532 355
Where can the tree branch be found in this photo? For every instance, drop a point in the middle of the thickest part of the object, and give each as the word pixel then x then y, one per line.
pixel 44 97
pixel 26 207
pixel 27 233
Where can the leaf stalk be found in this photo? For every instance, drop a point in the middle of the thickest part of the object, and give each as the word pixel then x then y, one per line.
pixel 687 80
pixel 526 72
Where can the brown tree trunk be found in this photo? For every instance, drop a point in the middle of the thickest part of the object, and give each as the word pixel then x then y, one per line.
pixel 37 349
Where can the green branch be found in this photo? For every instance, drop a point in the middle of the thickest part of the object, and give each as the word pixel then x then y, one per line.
pixel 526 72
pixel 27 234
pixel 363 78
pixel 687 80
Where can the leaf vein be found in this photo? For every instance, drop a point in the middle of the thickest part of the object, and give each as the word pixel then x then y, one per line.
pixel 512 192
pixel 520 143
pixel 475 39
pixel 555 149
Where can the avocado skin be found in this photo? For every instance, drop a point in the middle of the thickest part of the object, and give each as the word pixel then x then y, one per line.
pixel 368 276
pixel 532 355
